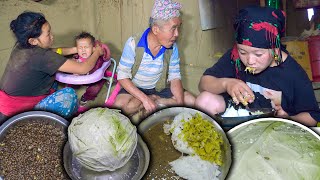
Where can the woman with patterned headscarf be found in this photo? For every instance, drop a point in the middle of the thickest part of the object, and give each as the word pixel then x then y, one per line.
pixel 258 71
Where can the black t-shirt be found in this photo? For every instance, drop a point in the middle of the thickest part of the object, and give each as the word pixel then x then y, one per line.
pixel 30 72
pixel 289 78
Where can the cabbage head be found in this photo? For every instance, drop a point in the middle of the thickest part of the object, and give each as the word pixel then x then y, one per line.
pixel 102 139
pixel 274 150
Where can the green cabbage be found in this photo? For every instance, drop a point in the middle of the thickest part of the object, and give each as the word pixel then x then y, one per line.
pixel 274 150
pixel 102 139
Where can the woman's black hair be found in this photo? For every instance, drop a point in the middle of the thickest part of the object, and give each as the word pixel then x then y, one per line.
pixel 27 25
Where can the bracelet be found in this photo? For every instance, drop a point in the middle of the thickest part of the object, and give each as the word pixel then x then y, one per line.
pixel 59 51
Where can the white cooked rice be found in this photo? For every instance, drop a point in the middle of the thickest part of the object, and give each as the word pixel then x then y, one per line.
pixel 194 168
pixel 177 126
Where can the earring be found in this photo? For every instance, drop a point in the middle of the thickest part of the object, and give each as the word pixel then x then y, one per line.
pixel 277 58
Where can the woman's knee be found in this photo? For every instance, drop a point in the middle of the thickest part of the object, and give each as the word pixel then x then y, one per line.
pixel 203 99
pixel 210 102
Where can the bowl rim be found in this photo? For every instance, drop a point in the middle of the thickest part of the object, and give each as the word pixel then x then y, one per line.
pixel 22 116
pixel 274 119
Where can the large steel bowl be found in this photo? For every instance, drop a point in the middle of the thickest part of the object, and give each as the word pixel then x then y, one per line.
pixel 31 115
pixel 170 113
pixel 134 169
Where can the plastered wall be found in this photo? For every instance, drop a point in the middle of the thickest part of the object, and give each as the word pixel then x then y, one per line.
pixel 113 21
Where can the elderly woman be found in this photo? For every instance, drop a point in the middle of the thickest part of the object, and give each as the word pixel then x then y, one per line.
pixel 143 64
pixel 258 71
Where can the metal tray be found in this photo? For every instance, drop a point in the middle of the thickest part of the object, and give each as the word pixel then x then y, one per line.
pixel 170 113
pixel 133 170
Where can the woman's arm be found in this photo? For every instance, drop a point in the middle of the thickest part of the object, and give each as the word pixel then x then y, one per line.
pixel 276 99
pixel 215 85
pixel 237 89
pixel 212 84
pixel 303 117
pixel 66 50
pixel 71 66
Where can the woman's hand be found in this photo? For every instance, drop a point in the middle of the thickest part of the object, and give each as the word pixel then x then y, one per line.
pixel 276 98
pixel 280 112
pixel 99 49
pixel 239 91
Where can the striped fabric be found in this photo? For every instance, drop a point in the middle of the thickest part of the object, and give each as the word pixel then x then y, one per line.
pixel 151 67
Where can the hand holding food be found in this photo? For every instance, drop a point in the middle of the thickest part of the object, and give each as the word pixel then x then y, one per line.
pixel 240 92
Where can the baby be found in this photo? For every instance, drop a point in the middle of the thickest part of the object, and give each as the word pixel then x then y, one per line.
pixel 85 43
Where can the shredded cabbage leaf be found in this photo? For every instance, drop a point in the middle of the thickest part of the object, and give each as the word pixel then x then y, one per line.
pixel 274 150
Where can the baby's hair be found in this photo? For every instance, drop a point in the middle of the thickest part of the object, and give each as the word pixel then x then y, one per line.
pixel 27 25
pixel 84 35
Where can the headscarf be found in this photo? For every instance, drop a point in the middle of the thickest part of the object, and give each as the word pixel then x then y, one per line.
pixel 165 9
pixel 260 27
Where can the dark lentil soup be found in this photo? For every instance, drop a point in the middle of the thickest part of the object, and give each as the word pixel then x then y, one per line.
pixel 162 152
pixel 32 149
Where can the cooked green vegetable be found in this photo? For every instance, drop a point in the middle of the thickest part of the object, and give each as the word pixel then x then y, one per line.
pixel 274 150
pixel 102 139
pixel 192 134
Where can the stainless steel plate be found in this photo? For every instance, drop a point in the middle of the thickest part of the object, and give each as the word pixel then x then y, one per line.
pixel 170 113
pixel 133 170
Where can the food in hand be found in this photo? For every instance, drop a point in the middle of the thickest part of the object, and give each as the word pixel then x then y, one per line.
pixel 246 99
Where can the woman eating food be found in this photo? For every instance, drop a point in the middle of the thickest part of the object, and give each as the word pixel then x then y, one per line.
pixel 258 71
